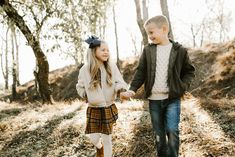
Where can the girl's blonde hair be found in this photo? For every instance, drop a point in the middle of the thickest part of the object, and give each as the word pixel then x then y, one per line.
pixel 93 64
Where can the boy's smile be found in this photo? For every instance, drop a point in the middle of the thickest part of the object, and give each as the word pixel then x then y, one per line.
pixel 157 35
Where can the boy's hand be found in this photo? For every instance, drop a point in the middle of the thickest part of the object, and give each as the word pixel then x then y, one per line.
pixel 127 95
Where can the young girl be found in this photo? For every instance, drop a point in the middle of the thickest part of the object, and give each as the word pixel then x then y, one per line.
pixel 99 81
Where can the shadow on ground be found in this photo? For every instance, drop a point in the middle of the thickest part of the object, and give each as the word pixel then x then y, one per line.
pixel 27 143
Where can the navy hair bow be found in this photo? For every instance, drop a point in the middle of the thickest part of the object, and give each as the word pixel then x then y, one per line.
pixel 93 41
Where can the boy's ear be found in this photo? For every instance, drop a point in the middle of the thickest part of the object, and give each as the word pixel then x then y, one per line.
pixel 165 28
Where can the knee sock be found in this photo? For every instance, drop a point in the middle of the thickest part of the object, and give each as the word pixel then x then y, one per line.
pixel 98 140
pixel 107 143
pixel 95 139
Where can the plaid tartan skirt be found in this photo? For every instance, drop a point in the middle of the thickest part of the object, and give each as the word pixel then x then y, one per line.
pixel 101 119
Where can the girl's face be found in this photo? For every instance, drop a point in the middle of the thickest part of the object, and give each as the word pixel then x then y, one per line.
pixel 102 52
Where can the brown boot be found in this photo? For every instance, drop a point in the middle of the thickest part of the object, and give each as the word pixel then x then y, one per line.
pixel 100 152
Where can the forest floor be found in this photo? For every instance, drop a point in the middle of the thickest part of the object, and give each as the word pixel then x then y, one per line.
pixel 35 130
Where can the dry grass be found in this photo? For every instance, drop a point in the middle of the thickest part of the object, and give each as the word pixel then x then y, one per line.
pixel 201 134
pixel 58 130
pixel 215 71
pixel 37 130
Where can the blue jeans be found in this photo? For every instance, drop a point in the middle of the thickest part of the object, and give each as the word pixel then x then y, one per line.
pixel 165 118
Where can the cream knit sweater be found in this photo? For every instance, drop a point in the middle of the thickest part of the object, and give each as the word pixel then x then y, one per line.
pixel 160 88
pixel 101 96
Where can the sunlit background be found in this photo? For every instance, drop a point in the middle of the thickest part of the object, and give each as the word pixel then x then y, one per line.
pixel 183 14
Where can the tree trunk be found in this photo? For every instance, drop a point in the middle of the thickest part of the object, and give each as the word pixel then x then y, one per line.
pixel 202 38
pixel 2 66
pixel 14 94
pixel 93 24
pixel 193 35
pixel 100 28
pixel 165 12
pixel 6 61
pixel 76 57
pixel 17 61
pixel 134 44
pixel 140 22
pixel 104 26
pixel 43 66
pixel 145 10
pixel 116 36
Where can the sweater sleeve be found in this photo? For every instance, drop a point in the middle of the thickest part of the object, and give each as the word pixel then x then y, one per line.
pixel 80 87
pixel 187 72
pixel 120 84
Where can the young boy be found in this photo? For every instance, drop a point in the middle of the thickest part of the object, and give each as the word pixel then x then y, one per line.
pixel 166 71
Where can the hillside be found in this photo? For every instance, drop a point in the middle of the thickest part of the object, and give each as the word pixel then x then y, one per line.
pixel 214 84
pixel 215 70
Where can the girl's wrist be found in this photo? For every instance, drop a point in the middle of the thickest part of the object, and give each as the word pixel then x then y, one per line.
pixel 131 91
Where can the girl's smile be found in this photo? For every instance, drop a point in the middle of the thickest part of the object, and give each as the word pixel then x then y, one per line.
pixel 102 52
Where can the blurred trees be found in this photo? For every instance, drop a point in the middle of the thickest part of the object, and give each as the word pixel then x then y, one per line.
pixel 43 66
pixel 75 21
pixel 142 16
pixel 214 26
pixel 60 23
pixel 217 21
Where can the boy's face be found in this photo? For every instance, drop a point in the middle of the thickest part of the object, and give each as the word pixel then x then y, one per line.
pixel 102 52
pixel 155 34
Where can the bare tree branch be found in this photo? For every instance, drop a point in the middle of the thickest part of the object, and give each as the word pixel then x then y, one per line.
pixel 140 22
pixel 165 12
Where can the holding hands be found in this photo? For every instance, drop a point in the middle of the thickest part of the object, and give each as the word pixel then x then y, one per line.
pixel 127 95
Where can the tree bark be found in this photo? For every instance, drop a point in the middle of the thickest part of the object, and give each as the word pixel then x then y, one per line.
pixel 104 26
pixel 134 44
pixel 6 77
pixel 202 38
pixel 145 10
pixel 43 66
pixel 5 72
pixel 17 60
pixel 116 36
pixel 14 93
pixel 165 12
pixel 193 35
pixel 140 22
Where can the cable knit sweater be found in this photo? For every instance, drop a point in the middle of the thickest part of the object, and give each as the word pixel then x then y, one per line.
pixel 160 88
pixel 101 96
